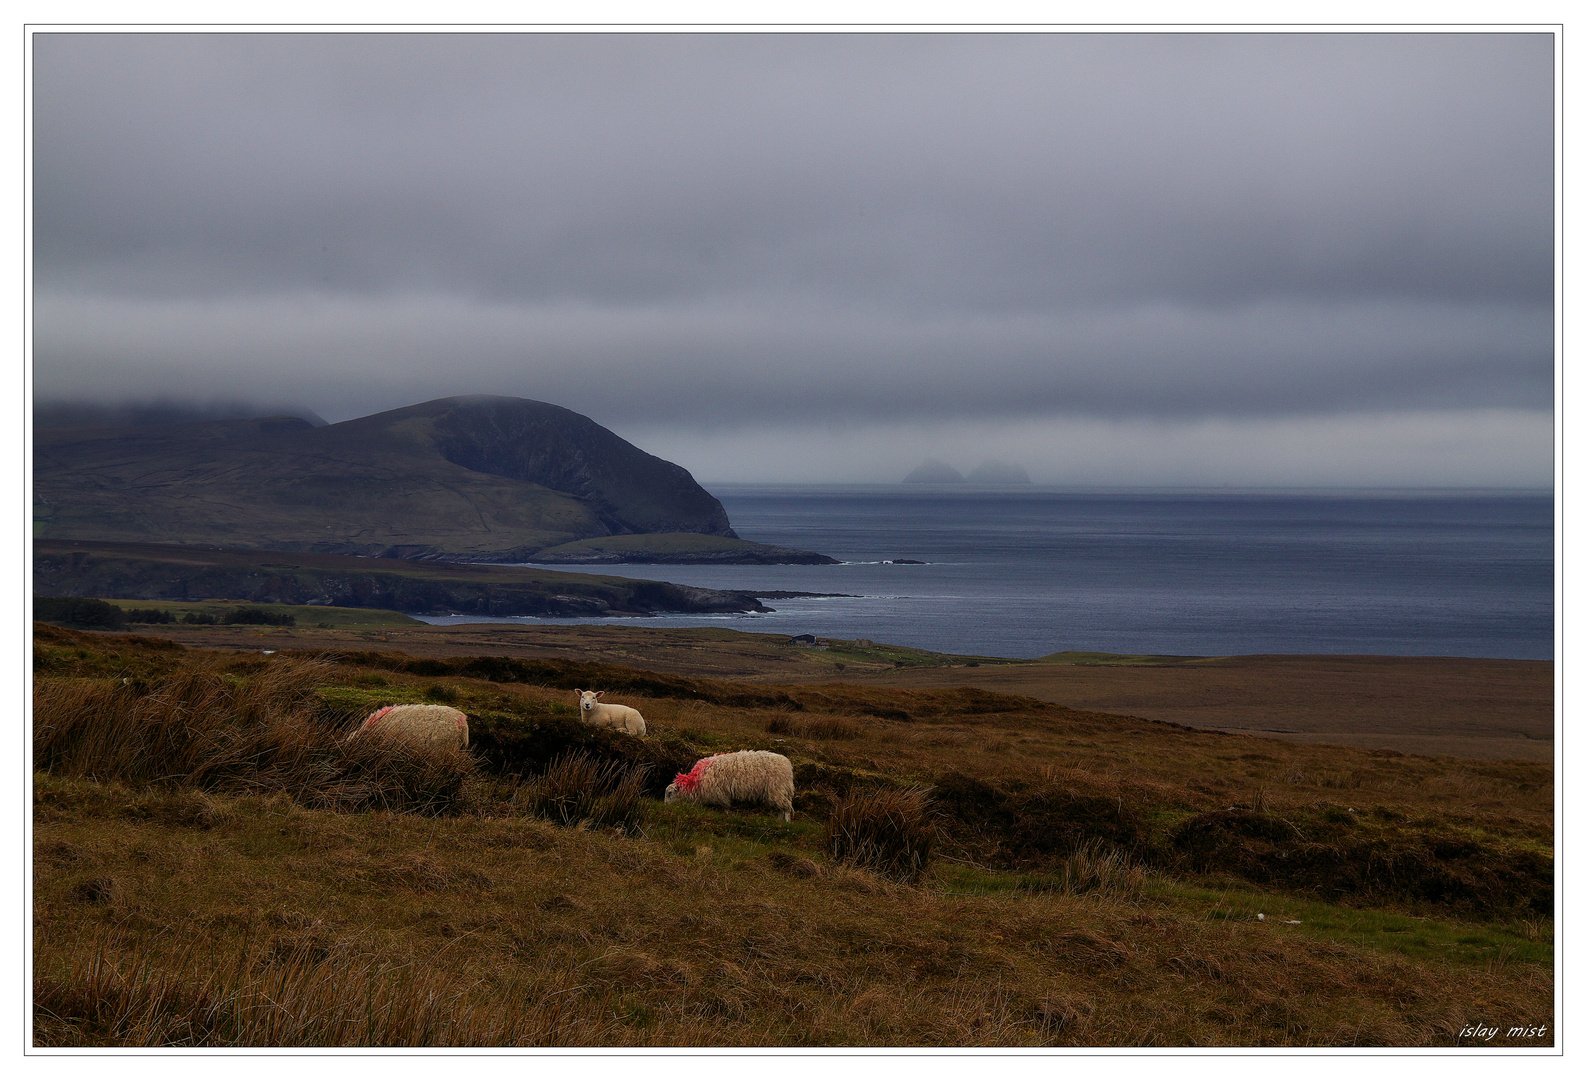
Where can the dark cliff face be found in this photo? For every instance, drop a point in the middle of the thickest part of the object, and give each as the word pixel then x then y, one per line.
pixel 629 490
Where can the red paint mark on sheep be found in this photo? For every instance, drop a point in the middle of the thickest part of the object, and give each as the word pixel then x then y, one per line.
pixel 688 781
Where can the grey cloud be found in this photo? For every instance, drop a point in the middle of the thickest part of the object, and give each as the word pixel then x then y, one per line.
pixel 730 366
pixel 705 228
pixel 1494 448
pixel 1026 171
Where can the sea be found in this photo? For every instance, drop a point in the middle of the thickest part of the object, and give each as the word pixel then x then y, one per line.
pixel 1026 572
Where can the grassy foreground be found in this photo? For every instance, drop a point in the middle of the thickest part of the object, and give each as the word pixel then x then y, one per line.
pixel 213 865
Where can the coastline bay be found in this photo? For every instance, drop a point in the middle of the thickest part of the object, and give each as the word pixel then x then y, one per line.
pixel 1025 573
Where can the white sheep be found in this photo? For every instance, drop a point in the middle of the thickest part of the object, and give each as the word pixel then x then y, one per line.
pixel 620 717
pixel 748 776
pixel 422 723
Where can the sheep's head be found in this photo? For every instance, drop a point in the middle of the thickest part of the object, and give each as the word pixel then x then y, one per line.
pixel 672 791
pixel 587 699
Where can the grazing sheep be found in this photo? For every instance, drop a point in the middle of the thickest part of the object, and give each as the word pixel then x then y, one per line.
pixel 620 717
pixel 422 723
pixel 748 776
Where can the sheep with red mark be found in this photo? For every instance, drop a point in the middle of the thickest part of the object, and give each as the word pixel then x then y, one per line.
pixel 747 776
pixel 621 717
pixel 440 724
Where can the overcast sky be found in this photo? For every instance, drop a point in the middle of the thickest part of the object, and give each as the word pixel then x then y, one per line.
pixel 1203 259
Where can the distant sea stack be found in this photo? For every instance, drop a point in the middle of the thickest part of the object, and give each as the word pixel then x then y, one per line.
pixel 933 471
pixel 486 479
pixel 990 471
pixel 993 471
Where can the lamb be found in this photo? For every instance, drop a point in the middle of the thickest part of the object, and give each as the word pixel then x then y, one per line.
pixel 748 776
pixel 423 723
pixel 620 717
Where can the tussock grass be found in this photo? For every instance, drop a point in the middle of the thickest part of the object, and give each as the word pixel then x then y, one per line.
pixel 888 832
pixel 107 995
pixel 825 728
pixel 1328 851
pixel 221 725
pixel 524 734
pixel 578 788
pixel 1033 825
pixel 1098 868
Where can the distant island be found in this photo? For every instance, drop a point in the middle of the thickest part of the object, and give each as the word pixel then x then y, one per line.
pixel 462 479
pixel 932 471
pixel 990 471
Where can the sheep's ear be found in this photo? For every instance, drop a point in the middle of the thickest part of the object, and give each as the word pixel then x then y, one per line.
pixel 580 693
pixel 600 693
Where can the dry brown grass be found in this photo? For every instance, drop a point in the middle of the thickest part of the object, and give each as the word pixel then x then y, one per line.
pixel 1479 709
pixel 224 725
pixel 710 928
pixel 580 789
pixel 112 994
pixel 635 943
pixel 888 832
pixel 1100 869
pixel 826 728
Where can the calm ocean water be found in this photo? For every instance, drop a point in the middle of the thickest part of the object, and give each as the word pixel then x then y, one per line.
pixel 1027 572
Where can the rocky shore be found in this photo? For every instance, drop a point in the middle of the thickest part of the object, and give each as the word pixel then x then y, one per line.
pixel 172 572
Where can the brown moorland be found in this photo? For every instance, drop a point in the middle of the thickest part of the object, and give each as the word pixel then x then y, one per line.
pixel 215 865
pixel 1462 707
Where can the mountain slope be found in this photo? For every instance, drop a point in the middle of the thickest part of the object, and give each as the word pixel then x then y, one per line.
pixel 481 478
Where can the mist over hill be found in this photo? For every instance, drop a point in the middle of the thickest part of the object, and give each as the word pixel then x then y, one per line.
pixel 68 414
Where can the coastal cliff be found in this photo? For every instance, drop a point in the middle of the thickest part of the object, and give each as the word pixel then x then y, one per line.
pixel 482 479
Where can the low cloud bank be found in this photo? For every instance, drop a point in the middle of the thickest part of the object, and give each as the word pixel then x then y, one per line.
pixel 1501 448
pixel 719 366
